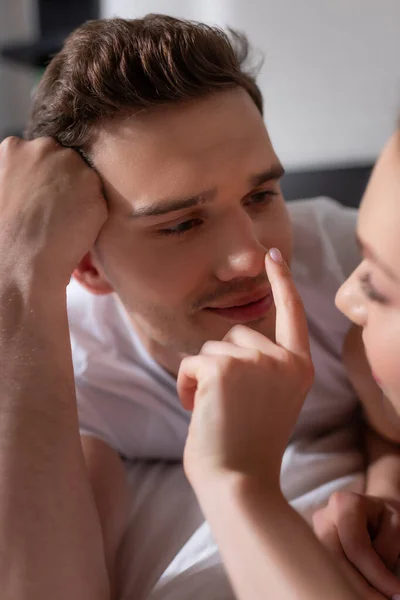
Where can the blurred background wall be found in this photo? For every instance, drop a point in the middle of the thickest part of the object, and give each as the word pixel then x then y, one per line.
pixel 331 74
pixel 18 21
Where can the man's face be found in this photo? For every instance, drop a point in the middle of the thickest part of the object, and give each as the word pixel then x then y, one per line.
pixel 195 203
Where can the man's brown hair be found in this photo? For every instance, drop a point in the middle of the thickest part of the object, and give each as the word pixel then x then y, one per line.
pixel 109 66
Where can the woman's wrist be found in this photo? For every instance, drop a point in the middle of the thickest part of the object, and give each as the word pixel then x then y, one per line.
pixel 214 488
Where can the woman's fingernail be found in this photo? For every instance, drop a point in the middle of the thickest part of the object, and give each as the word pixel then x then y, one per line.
pixel 396 597
pixel 277 257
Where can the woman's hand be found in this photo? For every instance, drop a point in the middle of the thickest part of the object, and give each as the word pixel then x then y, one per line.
pixel 362 533
pixel 246 391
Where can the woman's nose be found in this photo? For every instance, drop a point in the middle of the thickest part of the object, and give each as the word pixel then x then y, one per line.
pixel 351 301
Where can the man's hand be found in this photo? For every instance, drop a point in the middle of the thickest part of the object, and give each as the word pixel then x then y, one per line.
pixel 246 392
pixel 363 534
pixel 51 209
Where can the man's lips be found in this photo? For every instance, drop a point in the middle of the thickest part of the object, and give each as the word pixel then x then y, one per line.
pixel 243 299
pixel 245 308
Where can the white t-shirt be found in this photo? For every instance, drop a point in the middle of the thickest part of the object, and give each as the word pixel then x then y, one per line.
pixel 126 399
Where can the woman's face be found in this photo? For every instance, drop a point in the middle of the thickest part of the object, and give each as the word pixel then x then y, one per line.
pixel 371 295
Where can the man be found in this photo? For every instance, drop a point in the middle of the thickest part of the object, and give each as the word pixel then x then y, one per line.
pixel 165 114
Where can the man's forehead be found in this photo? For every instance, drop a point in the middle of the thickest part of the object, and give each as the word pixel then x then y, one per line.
pixel 143 158
pixel 224 117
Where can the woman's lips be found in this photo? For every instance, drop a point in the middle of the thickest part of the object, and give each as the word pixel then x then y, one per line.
pixel 246 312
pixel 378 381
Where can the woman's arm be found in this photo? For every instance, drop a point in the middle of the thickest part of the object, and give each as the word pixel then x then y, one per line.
pixel 246 393
pixel 267 549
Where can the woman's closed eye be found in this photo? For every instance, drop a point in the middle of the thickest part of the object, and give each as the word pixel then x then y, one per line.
pixel 370 291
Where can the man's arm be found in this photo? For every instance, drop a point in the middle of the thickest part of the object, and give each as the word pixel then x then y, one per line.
pixel 108 480
pixel 50 536
pixel 51 542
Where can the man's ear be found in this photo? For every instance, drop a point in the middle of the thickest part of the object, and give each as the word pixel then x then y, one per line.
pixel 90 275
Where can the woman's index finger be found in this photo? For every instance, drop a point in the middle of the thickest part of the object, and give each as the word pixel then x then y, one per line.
pixel 291 330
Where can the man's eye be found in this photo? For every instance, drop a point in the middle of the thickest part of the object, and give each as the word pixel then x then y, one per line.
pixel 181 228
pixel 261 198
pixel 369 290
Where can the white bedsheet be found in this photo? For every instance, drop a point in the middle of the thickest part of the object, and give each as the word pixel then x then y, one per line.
pixel 169 552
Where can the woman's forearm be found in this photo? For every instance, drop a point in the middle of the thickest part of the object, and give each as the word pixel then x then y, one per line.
pixel 267 549
pixel 383 468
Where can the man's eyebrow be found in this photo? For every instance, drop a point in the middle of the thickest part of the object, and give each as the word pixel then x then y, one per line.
pixel 369 253
pixel 272 174
pixel 162 207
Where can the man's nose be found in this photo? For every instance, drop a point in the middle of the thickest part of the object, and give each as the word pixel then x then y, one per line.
pixel 240 250
pixel 351 301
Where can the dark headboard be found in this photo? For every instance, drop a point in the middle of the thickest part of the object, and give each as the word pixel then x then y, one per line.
pixel 345 184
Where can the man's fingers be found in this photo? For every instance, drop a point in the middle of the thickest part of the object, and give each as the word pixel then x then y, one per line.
pixel 291 330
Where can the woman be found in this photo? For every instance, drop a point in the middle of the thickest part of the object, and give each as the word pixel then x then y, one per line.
pixel 269 552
